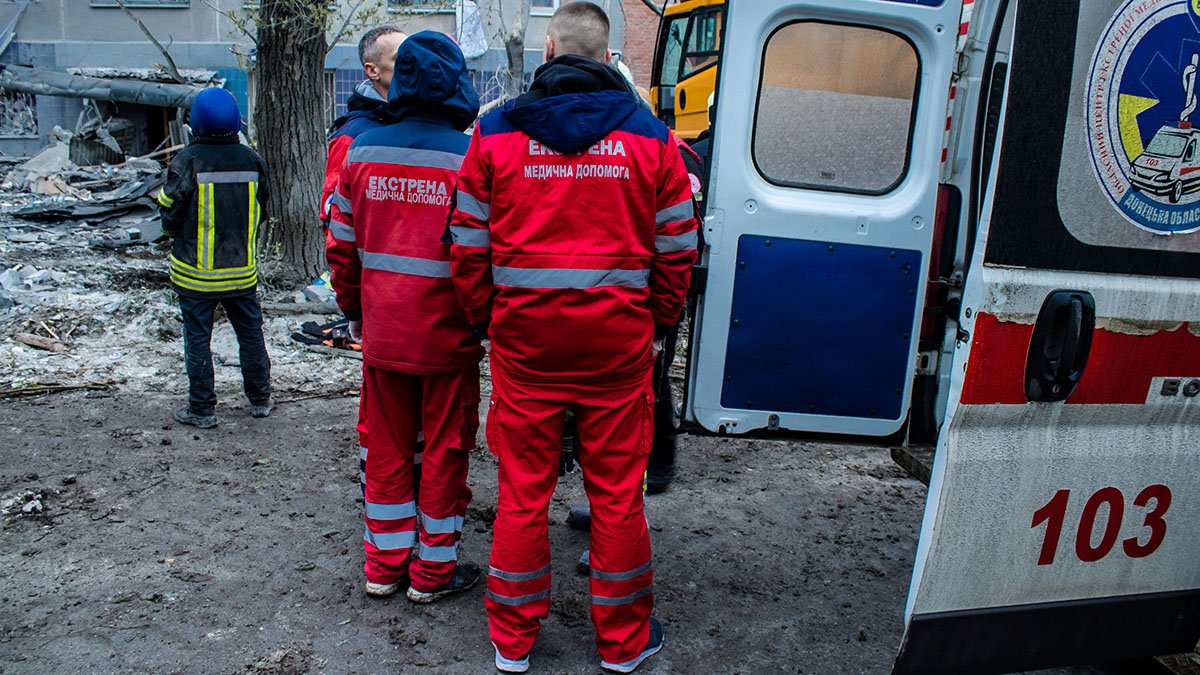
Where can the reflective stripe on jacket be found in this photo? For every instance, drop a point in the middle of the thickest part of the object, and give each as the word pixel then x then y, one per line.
pixel 389 264
pixel 212 204
pixel 573 258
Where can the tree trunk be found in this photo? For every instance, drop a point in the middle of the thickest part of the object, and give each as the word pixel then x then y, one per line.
pixel 514 46
pixel 290 126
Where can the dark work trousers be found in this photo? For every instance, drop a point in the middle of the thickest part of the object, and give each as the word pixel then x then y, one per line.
pixel 246 317
pixel 662 452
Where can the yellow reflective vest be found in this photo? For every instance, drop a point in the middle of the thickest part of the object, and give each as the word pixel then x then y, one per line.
pixel 212 204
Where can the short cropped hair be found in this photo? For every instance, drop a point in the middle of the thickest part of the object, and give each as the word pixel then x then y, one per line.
pixel 580 28
pixel 368 46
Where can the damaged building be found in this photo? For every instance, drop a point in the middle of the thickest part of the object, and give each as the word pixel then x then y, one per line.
pixel 87 67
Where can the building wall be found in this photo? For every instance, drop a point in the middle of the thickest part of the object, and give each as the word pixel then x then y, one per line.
pixel 641 31
pixel 60 34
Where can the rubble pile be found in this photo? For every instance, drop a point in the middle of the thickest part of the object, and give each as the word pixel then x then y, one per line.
pixel 85 300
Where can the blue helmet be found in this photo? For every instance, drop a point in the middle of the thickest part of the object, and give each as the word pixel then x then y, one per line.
pixel 215 114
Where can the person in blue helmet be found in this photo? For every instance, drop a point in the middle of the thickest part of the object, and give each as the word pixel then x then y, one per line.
pixel 212 205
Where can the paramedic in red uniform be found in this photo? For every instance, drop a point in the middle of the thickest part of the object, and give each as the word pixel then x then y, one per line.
pixel 391 270
pixel 574 237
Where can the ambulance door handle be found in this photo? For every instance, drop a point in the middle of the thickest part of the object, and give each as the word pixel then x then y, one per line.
pixel 1062 340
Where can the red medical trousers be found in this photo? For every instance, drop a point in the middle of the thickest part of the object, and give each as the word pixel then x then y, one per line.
pixel 524 430
pixel 396 406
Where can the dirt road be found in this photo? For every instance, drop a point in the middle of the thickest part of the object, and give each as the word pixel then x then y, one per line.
pixel 170 550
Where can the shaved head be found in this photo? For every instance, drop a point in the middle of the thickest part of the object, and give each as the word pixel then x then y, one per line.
pixel 377 51
pixel 579 28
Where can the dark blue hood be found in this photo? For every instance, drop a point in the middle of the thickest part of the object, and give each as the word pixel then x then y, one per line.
pixel 573 103
pixel 431 76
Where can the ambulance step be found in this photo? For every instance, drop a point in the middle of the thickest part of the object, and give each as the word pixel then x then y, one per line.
pixel 917 460
pixel 1181 664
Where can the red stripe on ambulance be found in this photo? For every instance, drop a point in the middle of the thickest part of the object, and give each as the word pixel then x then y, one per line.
pixel 1119 369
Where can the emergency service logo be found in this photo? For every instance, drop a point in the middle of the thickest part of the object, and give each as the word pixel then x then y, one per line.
pixel 1142 114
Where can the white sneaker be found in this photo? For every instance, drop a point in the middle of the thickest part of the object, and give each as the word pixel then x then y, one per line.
pixel 505 665
pixel 384 590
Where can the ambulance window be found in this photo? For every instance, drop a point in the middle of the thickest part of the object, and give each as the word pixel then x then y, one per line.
pixel 835 108
pixel 1191 152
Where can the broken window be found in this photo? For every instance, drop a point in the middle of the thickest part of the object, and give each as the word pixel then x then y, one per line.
pixel 18 114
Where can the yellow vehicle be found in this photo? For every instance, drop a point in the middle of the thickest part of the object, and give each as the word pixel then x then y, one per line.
pixel 685 64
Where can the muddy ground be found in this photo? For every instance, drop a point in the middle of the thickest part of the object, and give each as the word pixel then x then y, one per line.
pixel 171 550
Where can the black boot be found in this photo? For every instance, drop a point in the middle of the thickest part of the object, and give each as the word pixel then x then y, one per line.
pixel 660 470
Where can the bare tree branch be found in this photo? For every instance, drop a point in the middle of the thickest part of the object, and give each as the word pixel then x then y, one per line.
pixel 345 26
pixel 655 8
pixel 172 69
pixel 237 22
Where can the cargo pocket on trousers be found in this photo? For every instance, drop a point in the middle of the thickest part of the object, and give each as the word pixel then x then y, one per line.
pixel 646 440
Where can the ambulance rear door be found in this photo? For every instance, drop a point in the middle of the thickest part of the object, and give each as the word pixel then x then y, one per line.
pixel 823 191
pixel 1063 518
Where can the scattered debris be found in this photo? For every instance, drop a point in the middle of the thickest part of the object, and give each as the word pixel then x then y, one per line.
pixel 24 503
pixel 28 278
pixel 335 351
pixel 32 390
pixel 102 141
pixel 40 342
pixel 46 82
pixel 320 290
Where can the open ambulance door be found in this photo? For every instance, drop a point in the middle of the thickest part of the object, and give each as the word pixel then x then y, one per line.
pixel 1063 518
pixel 821 205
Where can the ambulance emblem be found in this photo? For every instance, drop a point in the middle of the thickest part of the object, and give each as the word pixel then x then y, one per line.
pixel 1142 121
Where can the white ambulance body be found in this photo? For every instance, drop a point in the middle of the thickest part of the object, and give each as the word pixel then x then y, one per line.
pixel 889 262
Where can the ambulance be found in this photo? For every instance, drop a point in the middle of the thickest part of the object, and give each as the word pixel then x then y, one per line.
pixel 1169 165
pixel 929 222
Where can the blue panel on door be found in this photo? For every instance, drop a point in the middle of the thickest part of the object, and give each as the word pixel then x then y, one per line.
pixel 820 328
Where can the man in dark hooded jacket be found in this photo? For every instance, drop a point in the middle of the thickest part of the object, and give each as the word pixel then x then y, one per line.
pixel 212 205
pixel 367 107
pixel 574 236
pixel 391 271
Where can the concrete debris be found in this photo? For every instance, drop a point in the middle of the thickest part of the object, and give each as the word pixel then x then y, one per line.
pixel 320 290
pixel 52 160
pixel 319 293
pixel 102 141
pixel 193 75
pixel 45 82
pixel 26 502
pixel 18 115
pixel 27 277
